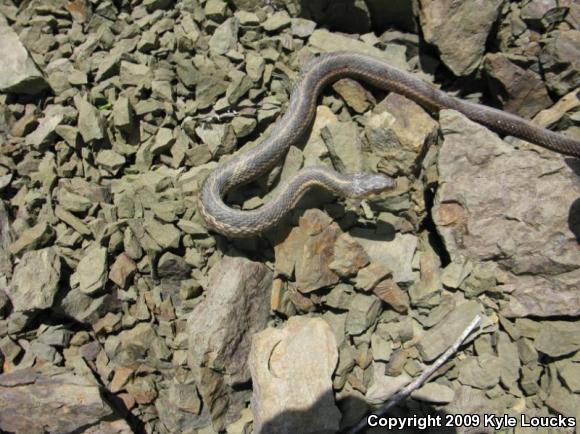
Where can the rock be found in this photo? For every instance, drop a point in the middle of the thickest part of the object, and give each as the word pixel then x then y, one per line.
pixel 308 251
pixel 36 280
pixel 91 272
pixel 179 407
pixel 344 146
pixel 560 60
pixel 324 41
pixel 122 270
pixel 570 373
pixel 277 21
pixel 437 339
pixel 220 139
pixel 354 94
pixel 369 277
pixel 394 253
pixel 89 122
pixel 481 372
pixel 33 238
pixel 44 132
pixel 291 376
pixel 172 269
pixel 221 327
pixel 110 160
pixel 518 90
pixel 215 10
pixel 444 22
pixel 383 386
pixel 389 292
pixel 388 133
pixel 435 393
pixel 349 256
pixel 55 401
pixel 123 114
pixel 382 349
pixel 558 338
pixel 482 216
pixel 302 28
pixel 363 311
pixel 225 37
pixel 19 73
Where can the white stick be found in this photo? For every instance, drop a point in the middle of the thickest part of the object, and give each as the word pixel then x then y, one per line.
pixel 406 391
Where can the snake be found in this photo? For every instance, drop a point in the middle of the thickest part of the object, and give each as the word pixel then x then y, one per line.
pixel 296 122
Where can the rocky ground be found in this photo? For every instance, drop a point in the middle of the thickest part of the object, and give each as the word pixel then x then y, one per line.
pixel 120 313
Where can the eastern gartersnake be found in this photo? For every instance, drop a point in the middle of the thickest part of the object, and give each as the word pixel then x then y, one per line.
pixel 297 120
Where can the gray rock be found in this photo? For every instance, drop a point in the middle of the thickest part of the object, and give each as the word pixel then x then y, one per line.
pixel 277 21
pixel 291 376
pixel 518 90
pixel 383 386
pixel 388 133
pixel 363 311
pixel 483 216
pixel 324 41
pixel 215 10
pixel 220 139
pixel 89 122
pixel 395 254
pixel 344 146
pixel 91 272
pixel 55 401
pixel 110 160
pixel 437 339
pixel 221 328
pixel 445 22
pixel 37 236
pixel 302 28
pixel 36 280
pixel 123 114
pixel 225 37
pixel 18 72
pixel 435 393
pixel 570 373
pixel 560 60
pixel 481 372
pixel 558 338
pixel 44 132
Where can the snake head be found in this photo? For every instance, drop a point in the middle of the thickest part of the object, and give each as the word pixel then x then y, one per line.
pixel 365 184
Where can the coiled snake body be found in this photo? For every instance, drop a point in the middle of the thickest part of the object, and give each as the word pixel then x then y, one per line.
pixel 296 121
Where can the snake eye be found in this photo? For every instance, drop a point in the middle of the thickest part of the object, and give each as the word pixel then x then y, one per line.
pixel 369 184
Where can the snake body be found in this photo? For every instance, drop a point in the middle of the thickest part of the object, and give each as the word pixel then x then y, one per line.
pixel 296 121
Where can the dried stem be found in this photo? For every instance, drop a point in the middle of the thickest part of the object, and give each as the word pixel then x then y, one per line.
pixel 406 391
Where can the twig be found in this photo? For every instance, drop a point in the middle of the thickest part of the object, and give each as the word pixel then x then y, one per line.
pixel 406 391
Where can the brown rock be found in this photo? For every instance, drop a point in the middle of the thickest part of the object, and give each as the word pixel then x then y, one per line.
pixel 349 256
pixel 354 94
pixel 393 295
pixel 55 401
pixel 518 90
pixel 122 270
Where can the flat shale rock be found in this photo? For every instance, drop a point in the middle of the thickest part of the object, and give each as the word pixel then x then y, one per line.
pixel 519 90
pixel 221 328
pixel 291 376
pixel 18 72
pixel 486 208
pixel 35 281
pixel 445 22
pixel 55 401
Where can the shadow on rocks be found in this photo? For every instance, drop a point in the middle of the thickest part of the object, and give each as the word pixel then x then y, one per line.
pixel 574 213
pixel 319 419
